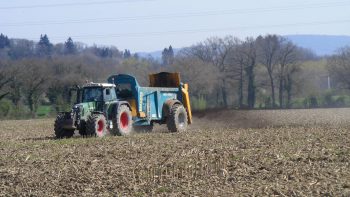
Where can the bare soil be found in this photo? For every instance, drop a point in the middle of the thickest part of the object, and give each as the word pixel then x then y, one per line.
pixel 224 153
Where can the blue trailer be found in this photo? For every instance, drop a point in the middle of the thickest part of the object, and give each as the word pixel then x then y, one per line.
pixel 156 103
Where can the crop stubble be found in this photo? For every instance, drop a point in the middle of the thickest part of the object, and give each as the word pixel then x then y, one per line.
pixel 278 152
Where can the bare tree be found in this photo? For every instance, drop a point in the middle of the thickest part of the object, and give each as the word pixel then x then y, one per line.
pixel 34 82
pixel 246 57
pixel 216 51
pixel 5 79
pixel 15 85
pixel 287 58
pixel 269 47
pixel 238 56
pixel 201 76
pixel 3 82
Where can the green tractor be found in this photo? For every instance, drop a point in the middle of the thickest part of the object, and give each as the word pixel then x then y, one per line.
pixel 88 116
pixel 121 106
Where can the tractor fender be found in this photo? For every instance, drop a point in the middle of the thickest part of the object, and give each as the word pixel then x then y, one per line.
pixel 168 104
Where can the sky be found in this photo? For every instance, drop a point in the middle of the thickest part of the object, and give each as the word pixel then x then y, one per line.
pixel 150 25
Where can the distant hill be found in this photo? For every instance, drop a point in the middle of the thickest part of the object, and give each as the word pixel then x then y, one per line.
pixel 320 44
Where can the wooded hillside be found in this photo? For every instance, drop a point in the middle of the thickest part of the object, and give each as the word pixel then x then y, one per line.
pixel 264 72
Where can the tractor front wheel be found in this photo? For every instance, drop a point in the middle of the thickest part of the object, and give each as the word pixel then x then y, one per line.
pixel 82 129
pixel 122 123
pixel 96 125
pixel 177 119
pixel 60 132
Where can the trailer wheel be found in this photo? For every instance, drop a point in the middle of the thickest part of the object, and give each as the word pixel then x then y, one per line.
pixel 177 119
pixel 60 132
pixel 122 123
pixel 96 125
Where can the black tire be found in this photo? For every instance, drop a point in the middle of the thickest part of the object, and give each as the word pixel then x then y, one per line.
pixel 96 125
pixel 82 129
pixel 122 123
pixel 143 129
pixel 60 132
pixel 177 119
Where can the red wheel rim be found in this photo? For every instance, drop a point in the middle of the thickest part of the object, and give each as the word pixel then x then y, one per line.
pixel 124 120
pixel 100 126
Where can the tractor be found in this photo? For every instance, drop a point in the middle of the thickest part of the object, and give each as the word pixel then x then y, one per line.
pixel 121 106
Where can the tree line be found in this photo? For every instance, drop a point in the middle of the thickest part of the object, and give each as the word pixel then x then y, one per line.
pixel 263 72
pixel 243 70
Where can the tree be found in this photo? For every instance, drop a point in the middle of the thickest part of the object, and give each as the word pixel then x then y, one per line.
pixel 21 48
pixel 4 41
pixel 44 46
pixel 15 88
pixel 126 54
pixel 69 47
pixel 269 47
pixel 105 52
pixel 339 67
pixel 34 82
pixel 216 51
pixel 288 66
pixel 15 73
pixel 238 58
pixel 201 76
pixel 4 81
pixel 164 56
pixel 292 69
pixel 168 56
pixel 246 57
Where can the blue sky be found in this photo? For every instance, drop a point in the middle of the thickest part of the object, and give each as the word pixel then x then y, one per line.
pixel 148 25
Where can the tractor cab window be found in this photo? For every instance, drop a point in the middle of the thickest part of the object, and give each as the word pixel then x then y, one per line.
pixel 109 94
pixel 92 94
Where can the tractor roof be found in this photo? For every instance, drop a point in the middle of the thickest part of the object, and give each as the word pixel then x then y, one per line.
pixel 103 85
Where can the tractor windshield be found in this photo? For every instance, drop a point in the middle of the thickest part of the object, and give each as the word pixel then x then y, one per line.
pixel 92 94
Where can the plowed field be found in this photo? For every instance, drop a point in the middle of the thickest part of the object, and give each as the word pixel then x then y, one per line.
pixel 224 153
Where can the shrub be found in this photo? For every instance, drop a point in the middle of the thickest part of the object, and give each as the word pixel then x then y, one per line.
pixel 5 108
pixel 199 103
pixel 312 101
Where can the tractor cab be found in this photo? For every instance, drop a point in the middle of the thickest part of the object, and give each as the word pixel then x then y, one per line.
pixel 94 96
pixel 97 92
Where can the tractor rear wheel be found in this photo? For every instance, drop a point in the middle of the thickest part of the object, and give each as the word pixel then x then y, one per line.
pixel 177 119
pixel 96 125
pixel 122 123
pixel 60 132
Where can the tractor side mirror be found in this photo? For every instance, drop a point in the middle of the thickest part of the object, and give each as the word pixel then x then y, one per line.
pixel 108 92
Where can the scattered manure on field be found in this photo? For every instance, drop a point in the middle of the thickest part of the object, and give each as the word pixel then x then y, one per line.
pixel 272 118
